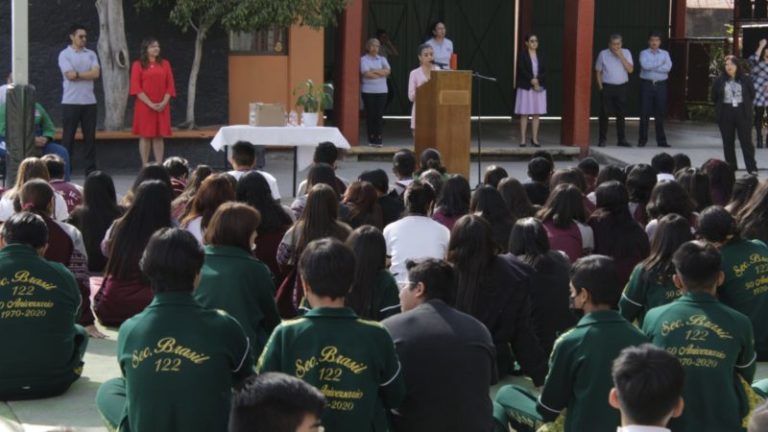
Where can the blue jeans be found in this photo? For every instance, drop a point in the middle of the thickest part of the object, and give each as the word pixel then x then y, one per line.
pixel 50 148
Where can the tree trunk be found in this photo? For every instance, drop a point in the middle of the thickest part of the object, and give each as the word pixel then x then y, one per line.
pixel 190 123
pixel 113 56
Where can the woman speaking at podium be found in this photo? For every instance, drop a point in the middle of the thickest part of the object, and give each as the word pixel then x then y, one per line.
pixel 419 76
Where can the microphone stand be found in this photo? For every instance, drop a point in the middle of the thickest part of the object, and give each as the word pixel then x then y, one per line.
pixel 479 78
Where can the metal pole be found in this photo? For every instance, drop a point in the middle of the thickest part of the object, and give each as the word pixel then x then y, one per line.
pixel 20 41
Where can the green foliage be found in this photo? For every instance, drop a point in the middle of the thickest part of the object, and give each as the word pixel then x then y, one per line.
pixel 315 98
pixel 248 15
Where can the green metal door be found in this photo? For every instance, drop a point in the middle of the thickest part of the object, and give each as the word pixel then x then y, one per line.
pixel 482 35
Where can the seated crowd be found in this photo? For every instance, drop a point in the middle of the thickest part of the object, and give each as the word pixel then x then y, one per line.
pixel 629 296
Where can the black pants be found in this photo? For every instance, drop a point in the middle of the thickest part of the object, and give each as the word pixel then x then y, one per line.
pixel 653 100
pixel 374 111
pixel 732 122
pixel 614 99
pixel 85 116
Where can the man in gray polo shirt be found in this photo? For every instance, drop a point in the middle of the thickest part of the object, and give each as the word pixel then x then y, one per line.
pixel 79 69
pixel 612 68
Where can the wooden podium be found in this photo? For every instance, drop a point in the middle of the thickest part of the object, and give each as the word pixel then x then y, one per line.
pixel 443 110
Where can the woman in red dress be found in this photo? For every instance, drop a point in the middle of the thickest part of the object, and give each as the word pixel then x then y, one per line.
pixel 152 84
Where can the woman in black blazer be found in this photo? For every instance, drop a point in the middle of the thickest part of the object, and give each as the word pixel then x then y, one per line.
pixel 733 94
pixel 531 97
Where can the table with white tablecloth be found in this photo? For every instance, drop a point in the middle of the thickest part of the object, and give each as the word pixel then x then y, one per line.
pixel 302 139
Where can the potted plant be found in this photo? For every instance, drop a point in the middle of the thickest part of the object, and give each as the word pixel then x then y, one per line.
pixel 313 100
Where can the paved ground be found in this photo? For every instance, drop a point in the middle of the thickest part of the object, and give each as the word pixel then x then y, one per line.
pixel 75 410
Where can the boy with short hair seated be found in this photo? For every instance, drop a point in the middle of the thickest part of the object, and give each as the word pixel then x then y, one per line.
pixel 243 159
pixel 713 342
pixel 276 402
pixel 648 388
pixel 352 361
pixel 179 360
pixel 579 376
pixel 43 348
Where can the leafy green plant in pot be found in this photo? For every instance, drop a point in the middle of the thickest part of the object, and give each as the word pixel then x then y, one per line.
pixel 313 100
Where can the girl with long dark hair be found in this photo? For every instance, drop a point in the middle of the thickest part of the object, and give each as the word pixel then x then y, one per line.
pixel 753 216
pixel 151 171
pixel 650 283
pixel 488 203
pixel 518 203
pixel 743 189
pixel 641 179
pixel 666 198
pixel 374 293
pixel 124 291
pixel 453 201
pixel 721 180
pixel 363 203
pixel 617 234
pixel 253 189
pixel 550 281
pixel 494 289
pixel 697 184
pixel 564 218
pixel 94 217
pixel 181 204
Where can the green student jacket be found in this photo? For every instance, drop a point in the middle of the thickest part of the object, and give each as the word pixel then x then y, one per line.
pixel 714 344
pixel 234 281
pixel 644 291
pixel 579 376
pixel 180 362
pixel 352 361
pixel 745 264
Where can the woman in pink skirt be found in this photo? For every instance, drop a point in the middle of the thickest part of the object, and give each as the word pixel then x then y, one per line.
pixel 531 98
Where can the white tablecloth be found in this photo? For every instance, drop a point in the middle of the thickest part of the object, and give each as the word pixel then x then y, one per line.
pixel 305 139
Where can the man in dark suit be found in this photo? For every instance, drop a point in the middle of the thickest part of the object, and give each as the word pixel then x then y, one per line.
pixel 447 356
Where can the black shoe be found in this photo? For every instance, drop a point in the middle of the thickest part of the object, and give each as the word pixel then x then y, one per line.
pixel 641 143
pixel 623 144
pixel 601 143
pixel 534 143
pixel 664 145
pixel 522 144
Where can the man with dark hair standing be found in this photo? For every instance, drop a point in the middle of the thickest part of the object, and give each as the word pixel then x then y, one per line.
pixel 579 378
pixel 647 388
pixel 179 360
pixel 80 68
pixel 276 402
pixel 612 69
pixel 655 65
pixel 352 361
pixel 43 348
pixel 713 342
pixel 434 341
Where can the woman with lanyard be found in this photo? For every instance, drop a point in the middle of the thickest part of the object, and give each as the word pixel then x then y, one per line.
pixel 442 46
pixel 733 93
pixel 759 73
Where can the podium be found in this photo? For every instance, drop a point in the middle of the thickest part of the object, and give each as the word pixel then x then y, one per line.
pixel 443 110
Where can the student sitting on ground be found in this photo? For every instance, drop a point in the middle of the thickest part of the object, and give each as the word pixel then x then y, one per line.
pixel 539 171
pixel 243 159
pixel 178 169
pixel 276 402
pixel 352 361
pixel 391 205
pixel 745 264
pixel 664 166
pixel 325 153
pixel 213 192
pixel 179 360
pixel 65 245
pixel 403 167
pixel 579 377
pixel 72 193
pixel 43 348
pixel 232 279
pixel 30 168
pixel 434 341
pixel 713 342
pixel 647 388
pixel 374 294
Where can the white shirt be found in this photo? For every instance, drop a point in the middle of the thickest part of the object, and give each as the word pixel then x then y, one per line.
pixel 60 212
pixel 664 177
pixel 638 428
pixel 196 229
pixel 443 52
pixel 414 237
pixel 3 92
pixel 269 177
